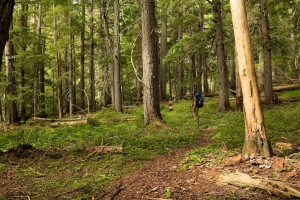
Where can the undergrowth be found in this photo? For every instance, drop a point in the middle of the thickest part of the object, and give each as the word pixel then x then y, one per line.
pixel 74 174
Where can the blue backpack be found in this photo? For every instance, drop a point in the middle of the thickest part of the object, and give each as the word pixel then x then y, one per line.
pixel 199 100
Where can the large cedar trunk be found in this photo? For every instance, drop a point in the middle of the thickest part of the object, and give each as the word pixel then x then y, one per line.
pixel 150 63
pixel 164 50
pixel 117 78
pixel 107 66
pixel 223 71
pixel 11 105
pixel 256 141
pixel 267 53
pixel 6 12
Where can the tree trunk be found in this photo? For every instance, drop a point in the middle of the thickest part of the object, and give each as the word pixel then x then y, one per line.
pixel 6 12
pixel 11 94
pixel 238 87
pixel 23 21
pixel 92 54
pixel 205 76
pixel 179 70
pixel 108 69
pixel 82 57
pixel 256 141
pixel 59 71
pixel 164 51
pixel 41 63
pixel 295 64
pixel 71 69
pixel 267 53
pixel 117 78
pixel 223 71
pixel 150 63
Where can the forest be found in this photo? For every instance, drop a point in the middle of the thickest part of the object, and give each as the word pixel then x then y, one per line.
pixel 96 99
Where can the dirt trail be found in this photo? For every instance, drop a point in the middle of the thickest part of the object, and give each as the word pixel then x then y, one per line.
pixel 165 178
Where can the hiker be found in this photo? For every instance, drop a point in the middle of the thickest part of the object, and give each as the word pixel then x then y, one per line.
pixel 198 102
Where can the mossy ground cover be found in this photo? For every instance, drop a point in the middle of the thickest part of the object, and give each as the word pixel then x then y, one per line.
pixel 73 174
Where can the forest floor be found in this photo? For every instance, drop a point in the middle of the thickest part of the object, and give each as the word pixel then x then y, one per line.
pixel 173 160
pixel 167 177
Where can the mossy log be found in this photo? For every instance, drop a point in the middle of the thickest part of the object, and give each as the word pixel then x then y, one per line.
pixel 68 123
pixel 279 188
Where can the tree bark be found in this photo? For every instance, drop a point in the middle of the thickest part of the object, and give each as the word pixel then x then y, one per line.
pixel 6 12
pixel 238 88
pixel 108 65
pixel 59 70
pixel 256 141
pixel 23 21
pixel 150 63
pixel 71 69
pixel 11 94
pixel 82 57
pixel 164 51
pixel 41 43
pixel 267 53
pixel 117 78
pixel 92 54
pixel 223 71
pixel 179 69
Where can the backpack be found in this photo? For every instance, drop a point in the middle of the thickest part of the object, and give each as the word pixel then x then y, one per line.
pixel 199 100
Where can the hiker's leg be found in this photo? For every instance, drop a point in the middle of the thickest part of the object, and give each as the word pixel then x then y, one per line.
pixel 196 116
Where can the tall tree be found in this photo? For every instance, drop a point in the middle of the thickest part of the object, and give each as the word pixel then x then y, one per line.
pixel 223 71
pixel 11 105
pixel 6 12
pixel 164 50
pixel 267 52
pixel 256 141
pixel 117 78
pixel 150 63
pixel 108 65
pixel 24 26
pixel 92 54
pixel 58 67
pixel 82 56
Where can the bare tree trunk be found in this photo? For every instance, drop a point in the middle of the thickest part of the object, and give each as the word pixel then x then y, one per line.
pixel 256 141
pixel 41 63
pixel 108 75
pixel 11 94
pixel 92 54
pixel 164 51
pixel 71 68
pixel 223 71
pixel 179 70
pixel 117 78
pixel 193 72
pixel 82 57
pixel 59 71
pixel 267 53
pixel 150 63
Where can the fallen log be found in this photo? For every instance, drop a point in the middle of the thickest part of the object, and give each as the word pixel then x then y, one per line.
pixel 68 123
pixel 278 188
pixel 286 87
pixel 38 119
